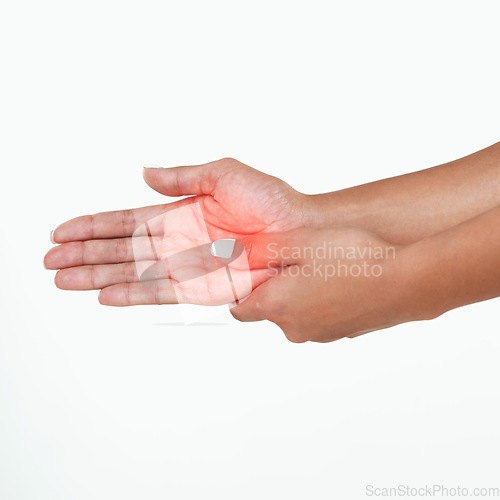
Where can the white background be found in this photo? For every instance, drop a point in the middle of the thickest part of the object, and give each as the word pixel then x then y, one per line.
pixel 103 403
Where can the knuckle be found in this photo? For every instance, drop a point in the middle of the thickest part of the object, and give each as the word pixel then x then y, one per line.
pixel 92 277
pixel 127 295
pixel 84 249
pixel 230 161
pixel 177 182
pixel 121 252
pixel 228 164
pixel 295 335
pixel 156 295
pixel 130 272
pixel 128 221
pixel 90 227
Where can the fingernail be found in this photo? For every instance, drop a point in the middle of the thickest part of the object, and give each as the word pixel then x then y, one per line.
pixel 151 166
pixel 52 238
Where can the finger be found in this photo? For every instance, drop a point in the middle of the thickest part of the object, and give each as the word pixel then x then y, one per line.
pixel 253 307
pixel 133 294
pixel 97 277
pixel 113 251
pixel 119 224
pixel 188 180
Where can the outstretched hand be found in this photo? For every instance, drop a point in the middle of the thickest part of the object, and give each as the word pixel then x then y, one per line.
pixel 226 199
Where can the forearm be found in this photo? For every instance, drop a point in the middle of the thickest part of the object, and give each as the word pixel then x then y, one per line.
pixel 457 267
pixel 410 207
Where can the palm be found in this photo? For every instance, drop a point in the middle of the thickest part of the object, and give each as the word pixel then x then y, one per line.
pixel 246 201
pixel 172 256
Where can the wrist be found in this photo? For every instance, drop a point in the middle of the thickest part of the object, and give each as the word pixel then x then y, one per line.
pixel 330 210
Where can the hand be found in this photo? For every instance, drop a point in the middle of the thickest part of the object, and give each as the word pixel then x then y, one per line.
pixel 327 284
pixel 231 199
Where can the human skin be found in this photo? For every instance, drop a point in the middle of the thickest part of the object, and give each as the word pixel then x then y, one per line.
pixel 414 282
pixel 410 207
pixel 96 251
pixel 240 202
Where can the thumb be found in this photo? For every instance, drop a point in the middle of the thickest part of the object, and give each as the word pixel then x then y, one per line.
pixel 252 308
pixel 273 249
pixel 187 180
